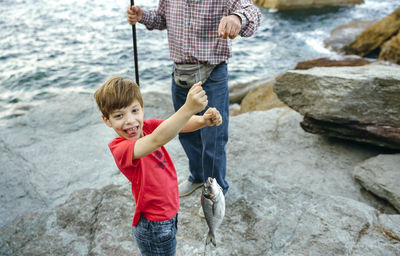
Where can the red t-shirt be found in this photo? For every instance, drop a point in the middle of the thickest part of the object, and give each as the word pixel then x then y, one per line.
pixel 153 177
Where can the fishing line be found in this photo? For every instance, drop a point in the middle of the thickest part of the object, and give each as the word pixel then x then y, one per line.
pixel 198 79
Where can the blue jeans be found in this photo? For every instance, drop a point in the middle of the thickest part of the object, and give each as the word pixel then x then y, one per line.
pixel 205 148
pixel 156 238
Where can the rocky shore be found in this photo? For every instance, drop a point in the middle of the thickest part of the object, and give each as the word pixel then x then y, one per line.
pixel 292 192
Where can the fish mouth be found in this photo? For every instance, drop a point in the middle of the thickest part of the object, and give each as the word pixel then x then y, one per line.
pixel 210 196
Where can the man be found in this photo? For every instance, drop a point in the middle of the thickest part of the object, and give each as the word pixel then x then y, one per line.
pixel 199 38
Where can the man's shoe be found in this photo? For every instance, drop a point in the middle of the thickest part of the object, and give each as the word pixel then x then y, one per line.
pixel 186 188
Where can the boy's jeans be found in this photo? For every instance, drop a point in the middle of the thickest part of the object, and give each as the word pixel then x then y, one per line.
pixel 205 148
pixel 156 238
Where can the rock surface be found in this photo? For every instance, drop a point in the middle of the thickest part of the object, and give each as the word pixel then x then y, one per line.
pixel 291 192
pixel 294 4
pixel 381 176
pixel 356 103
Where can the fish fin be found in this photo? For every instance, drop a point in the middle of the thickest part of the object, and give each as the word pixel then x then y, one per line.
pixel 211 238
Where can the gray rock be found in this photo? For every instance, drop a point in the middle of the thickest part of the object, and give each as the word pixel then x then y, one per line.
pixel 356 103
pixel 278 221
pixel 381 176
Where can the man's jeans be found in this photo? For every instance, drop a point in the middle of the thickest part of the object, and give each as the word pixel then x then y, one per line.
pixel 205 148
pixel 156 238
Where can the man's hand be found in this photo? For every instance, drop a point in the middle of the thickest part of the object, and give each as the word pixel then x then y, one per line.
pixel 229 26
pixel 134 14
pixel 196 99
pixel 212 117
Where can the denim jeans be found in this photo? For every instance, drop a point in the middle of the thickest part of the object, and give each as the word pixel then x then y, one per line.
pixel 205 148
pixel 156 238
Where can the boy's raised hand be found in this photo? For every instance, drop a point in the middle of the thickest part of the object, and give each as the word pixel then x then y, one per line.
pixel 196 99
pixel 212 117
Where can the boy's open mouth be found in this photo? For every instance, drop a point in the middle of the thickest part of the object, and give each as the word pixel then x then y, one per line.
pixel 131 131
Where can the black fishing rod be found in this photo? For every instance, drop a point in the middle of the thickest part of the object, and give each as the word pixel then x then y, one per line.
pixel 135 49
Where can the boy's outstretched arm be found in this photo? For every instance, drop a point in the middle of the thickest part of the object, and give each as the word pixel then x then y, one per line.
pixel 210 118
pixel 196 101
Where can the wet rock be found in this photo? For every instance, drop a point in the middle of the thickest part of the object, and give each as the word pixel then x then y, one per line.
pixel 390 51
pixel 355 103
pixel 346 34
pixel 381 175
pixel 294 4
pixel 373 37
pixel 340 61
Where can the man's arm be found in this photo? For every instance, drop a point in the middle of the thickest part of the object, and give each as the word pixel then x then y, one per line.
pixel 152 19
pixel 196 101
pixel 243 19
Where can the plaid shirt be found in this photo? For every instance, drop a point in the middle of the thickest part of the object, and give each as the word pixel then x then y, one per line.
pixel 192 27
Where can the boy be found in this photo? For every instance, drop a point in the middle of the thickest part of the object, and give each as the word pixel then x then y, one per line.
pixel 140 155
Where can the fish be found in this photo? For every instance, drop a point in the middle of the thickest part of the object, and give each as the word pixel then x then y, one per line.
pixel 213 204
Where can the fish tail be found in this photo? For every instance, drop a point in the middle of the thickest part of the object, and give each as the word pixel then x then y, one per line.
pixel 211 238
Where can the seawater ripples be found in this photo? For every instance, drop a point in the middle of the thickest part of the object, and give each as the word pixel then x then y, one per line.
pixel 48 46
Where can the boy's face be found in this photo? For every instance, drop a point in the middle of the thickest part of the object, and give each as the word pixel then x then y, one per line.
pixel 127 122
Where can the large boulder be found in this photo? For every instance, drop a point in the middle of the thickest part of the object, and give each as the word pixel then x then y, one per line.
pixel 373 37
pixel 294 4
pixel 357 103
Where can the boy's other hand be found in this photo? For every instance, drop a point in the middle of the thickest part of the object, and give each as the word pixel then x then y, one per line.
pixel 196 99
pixel 134 14
pixel 212 117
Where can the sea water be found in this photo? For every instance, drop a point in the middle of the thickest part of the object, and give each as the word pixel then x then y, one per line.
pixel 48 47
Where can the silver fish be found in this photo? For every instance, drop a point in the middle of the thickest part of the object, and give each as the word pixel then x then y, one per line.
pixel 213 203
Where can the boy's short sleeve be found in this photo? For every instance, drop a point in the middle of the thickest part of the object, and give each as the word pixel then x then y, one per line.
pixel 122 151
pixel 151 124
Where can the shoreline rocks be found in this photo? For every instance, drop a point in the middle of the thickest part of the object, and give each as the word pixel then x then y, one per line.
pixel 291 192
pixel 295 4
pixel 357 103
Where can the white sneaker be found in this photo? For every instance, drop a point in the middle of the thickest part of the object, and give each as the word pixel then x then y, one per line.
pixel 186 188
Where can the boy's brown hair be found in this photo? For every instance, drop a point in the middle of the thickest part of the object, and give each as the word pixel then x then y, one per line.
pixel 116 93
